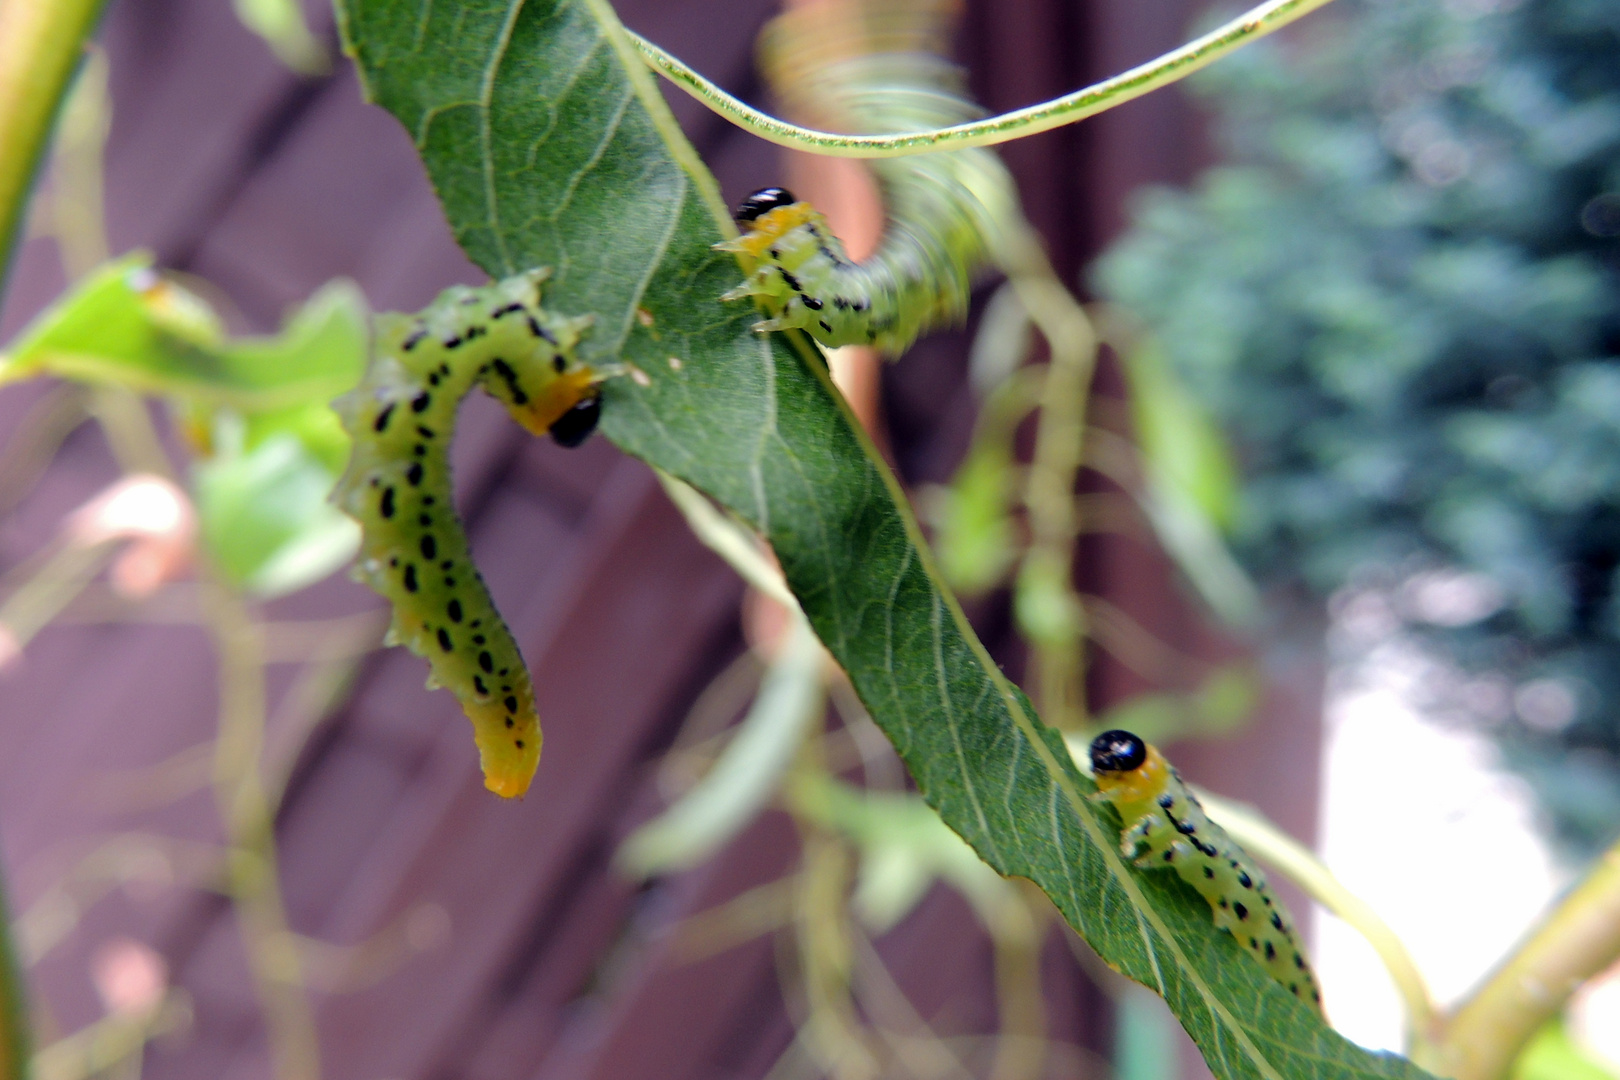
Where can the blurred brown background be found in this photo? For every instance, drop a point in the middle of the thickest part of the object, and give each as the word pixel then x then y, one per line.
pixel 527 955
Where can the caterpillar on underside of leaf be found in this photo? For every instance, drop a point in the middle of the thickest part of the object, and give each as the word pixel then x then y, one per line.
pixel 414 550
pixel 1165 827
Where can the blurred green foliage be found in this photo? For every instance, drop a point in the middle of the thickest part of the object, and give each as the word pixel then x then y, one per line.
pixel 1553 1055
pixel 1400 298
pixel 268 447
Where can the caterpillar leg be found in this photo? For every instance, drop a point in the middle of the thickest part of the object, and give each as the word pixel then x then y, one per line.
pixel 743 291
pixel 1133 839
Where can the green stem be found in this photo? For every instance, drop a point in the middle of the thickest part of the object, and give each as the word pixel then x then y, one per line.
pixel 249 817
pixel 1578 940
pixel 40 45
pixel 1058 644
pixel 14 1042
pixel 1031 120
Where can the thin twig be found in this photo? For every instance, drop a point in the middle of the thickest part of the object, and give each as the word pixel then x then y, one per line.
pixel 1054 518
pixel 248 814
pixel 98 1047
pixel 1032 120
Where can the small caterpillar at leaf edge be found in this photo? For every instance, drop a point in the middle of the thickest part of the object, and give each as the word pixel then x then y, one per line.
pixel 414 550
pixel 1165 827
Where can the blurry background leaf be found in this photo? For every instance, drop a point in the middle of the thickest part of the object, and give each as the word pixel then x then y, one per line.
pixel 1002 341
pixel 973 529
pixel 1183 452
pixel 265 516
pixel 113 328
pixel 974 532
pixel 1553 1055
pixel 256 409
pixel 1191 494
pixel 904 849
pixel 127 326
pixel 1224 702
pixel 791 697
pixel 282 25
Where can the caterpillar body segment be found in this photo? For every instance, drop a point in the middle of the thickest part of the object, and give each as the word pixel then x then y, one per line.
pixel 1165 827
pixel 398 487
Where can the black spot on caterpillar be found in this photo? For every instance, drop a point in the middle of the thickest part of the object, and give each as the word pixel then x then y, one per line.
pixel 1165 825
pixel 400 467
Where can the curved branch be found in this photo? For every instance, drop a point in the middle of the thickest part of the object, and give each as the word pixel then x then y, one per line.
pixel 1031 120
pixel 1577 940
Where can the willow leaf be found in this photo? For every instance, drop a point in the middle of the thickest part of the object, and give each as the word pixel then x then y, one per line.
pixel 549 145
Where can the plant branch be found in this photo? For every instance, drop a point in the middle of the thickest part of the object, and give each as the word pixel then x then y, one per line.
pixel 1577 940
pixel 1031 120
pixel 1050 613
pixel 248 813
pixel 40 45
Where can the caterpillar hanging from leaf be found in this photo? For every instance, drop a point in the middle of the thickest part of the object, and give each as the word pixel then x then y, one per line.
pixel 401 418
pixel 1165 827
pixel 943 215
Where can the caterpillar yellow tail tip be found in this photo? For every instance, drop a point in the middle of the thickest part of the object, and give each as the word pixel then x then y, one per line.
pixel 506 786
pixel 509 756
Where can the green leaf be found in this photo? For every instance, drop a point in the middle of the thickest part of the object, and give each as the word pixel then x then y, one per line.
pixel 265 516
pixel 1192 483
pixel 904 848
pixel 1553 1055
pixel 973 530
pixel 127 326
pixel 1181 446
pixel 275 447
pixel 550 146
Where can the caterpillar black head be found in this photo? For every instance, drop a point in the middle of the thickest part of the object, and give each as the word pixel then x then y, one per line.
pixel 575 426
pixel 1117 752
pixel 763 202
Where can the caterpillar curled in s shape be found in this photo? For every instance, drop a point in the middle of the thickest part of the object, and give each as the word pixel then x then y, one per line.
pixel 1164 826
pixel 414 550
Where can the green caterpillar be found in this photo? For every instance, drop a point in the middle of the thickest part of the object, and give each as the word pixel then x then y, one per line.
pixel 917 279
pixel 875 67
pixel 397 486
pixel 1162 816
